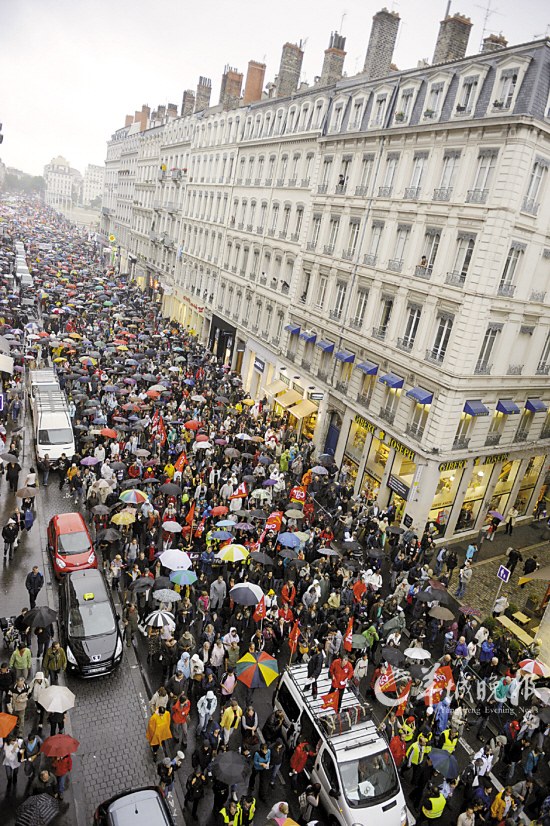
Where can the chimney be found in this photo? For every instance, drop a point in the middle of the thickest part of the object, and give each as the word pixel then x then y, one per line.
pixel 333 64
pixel 383 35
pixel 452 40
pixel 230 89
pixel 142 117
pixel 161 112
pixel 289 70
pixel 204 90
pixel 128 120
pixel 172 110
pixel 188 102
pixel 493 43
pixel 254 82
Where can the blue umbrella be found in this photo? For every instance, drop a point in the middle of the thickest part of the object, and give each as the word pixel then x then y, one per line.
pixel 269 483
pixel 190 382
pixel 289 540
pixel 225 523
pixel 221 535
pixel 444 763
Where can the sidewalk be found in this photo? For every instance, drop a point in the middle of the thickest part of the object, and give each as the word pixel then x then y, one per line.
pixel 524 536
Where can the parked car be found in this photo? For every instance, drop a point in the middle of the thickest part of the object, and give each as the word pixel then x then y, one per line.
pixel 70 544
pixel 89 624
pixel 135 807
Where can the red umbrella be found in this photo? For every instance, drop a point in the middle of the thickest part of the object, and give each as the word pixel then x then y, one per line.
pixel 192 424
pixel 7 723
pixel 219 510
pixel 202 437
pixel 59 745
pixel 534 667
pixel 109 432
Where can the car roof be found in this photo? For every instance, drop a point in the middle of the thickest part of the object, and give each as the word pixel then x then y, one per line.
pixel 88 581
pixel 69 522
pixel 138 806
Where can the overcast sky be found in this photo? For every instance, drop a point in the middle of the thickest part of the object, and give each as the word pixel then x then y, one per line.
pixel 72 69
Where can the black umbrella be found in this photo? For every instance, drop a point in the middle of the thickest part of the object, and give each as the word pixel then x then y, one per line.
pixel 352 545
pixel 392 655
pixel 101 510
pixel 326 459
pixel 257 514
pixel 263 559
pixel 162 582
pixel 288 553
pixel 38 810
pixel 375 553
pixel 170 489
pixel 143 583
pixel 40 617
pixel 230 767
pixel 250 480
pixel 435 595
pixel 109 535
pixel 328 552
pixel 396 530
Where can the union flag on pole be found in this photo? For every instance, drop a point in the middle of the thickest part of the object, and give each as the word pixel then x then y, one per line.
pixel 442 680
pixel 241 491
pixel 298 494
pixel 191 515
pixel 348 635
pixel 330 700
pixel 403 698
pixel 274 522
pixel 259 611
pixel 293 637
pixel 162 432
pixel 386 681
pixel 181 462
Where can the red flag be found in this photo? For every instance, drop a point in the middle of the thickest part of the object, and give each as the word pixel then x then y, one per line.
pixel 293 637
pixel 386 681
pixel 181 462
pixel 330 700
pixel 442 680
pixel 200 528
pixel 404 698
pixel 274 522
pixel 191 515
pixel 348 635
pixel 298 494
pixel 161 430
pixel 155 423
pixel 259 611
pixel 241 491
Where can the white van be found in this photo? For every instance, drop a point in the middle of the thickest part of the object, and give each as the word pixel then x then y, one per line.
pixel 45 379
pixel 53 431
pixel 359 781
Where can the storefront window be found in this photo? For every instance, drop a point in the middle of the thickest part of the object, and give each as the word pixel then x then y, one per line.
pixel 444 498
pixel 528 483
pixel 355 444
pixel 473 499
pixel 400 482
pixel 499 503
pixel 309 424
pixel 375 467
pixel 540 511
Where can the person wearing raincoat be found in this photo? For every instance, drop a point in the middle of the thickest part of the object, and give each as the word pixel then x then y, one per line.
pixel 158 729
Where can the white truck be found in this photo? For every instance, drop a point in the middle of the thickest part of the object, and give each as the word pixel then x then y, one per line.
pixel 53 431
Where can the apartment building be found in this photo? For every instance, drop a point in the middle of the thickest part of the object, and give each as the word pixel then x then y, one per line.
pixel 372 253
pixel 63 184
pixel 93 183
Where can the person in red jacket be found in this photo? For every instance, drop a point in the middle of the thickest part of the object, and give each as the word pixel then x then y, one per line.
pixel 298 761
pixel 288 593
pixel 180 712
pixel 341 672
pixel 61 767
pixel 398 748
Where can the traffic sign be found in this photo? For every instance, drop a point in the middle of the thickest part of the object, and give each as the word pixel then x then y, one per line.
pixel 503 573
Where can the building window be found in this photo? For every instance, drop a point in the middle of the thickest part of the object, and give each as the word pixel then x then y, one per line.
pixel 360 308
pixel 419 164
pixel 448 172
pixel 315 230
pixel 334 226
pixel 379 110
pixel 405 107
pixel 353 238
pixel 463 431
pixel 532 196
pixel 323 281
pixel 441 340
pixel 419 418
pixel 337 118
pixel 279 327
pixel 484 365
pixel 435 99
pixel 367 164
pixel 463 257
pixel 484 176
pixel 385 317
pixel 305 287
pixel 274 218
pixel 467 96
pixel 327 169
pixel 403 232
pixel 506 286
pixel 432 239
pixel 340 297
pixel 299 221
pixel 374 245
pixel 506 89
pixel 389 174
pixel 544 361
pixel 357 115
pixel 411 327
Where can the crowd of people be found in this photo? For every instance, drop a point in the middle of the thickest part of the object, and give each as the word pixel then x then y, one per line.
pixel 222 492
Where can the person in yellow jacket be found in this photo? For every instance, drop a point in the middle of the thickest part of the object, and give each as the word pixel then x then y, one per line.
pixel 231 719
pixel 246 810
pixel 415 755
pixel 229 815
pixel 449 740
pixel 432 805
pixel 408 729
pixel 503 805
pixel 158 729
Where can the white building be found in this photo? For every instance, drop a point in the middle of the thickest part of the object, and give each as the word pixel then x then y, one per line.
pixel 374 256
pixel 63 184
pixel 93 183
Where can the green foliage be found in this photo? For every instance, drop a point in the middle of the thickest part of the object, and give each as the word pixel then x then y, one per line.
pixel 24 183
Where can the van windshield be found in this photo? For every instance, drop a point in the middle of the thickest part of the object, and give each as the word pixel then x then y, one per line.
pixel 368 780
pixel 63 436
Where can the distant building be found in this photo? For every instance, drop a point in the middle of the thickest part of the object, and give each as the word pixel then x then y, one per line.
pixel 2 174
pixel 92 185
pixel 63 184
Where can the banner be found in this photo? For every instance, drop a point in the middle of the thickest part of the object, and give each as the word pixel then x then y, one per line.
pixel 330 700
pixel 298 494
pixel 241 491
pixel 442 680
pixel 348 635
pixel 293 637
pixel 274 521
pixel 259 612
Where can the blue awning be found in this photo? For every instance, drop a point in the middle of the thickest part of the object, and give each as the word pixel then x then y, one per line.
pixel 420 395
pixel 293 329
pixel 308 337
pixel 507 406
pixel 392 381
pixel 326 346
pixel 535 406
pixel 368 368
pixel 475 407
pixel 343 355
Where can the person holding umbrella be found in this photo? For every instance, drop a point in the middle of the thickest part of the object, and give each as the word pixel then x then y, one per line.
pixel 61 767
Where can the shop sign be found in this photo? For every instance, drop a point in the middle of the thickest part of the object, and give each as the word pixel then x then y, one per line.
pixel 407 520
pixel 285 379
pixel 398 486
pixel 368 426
pixel 400 448
pixel 316 397
pixel 491 460
pixel 259 365
pixel 457 465
pixel 194 306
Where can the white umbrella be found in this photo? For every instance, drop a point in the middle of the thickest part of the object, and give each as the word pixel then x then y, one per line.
pixel 260 494
pixel 57 698
pixel 201 445
pixel 417 653
pixel 171 526
pixel 176 560
pixel 166 595
pixel 160 619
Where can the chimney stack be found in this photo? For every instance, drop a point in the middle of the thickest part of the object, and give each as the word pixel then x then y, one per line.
pixel 493 43
pixel 128 121
pixel 289 70
pixel 172 110
pixel 452 40
pixel 161 112
pixel 333 64
pixel 204 90
pixel 383 35
pixel 142 117
pixel 230 89
pixel 188 102
pixel 254 82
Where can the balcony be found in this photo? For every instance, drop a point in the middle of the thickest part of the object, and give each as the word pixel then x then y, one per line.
pixel 340 189
pixel 172 206
pixel 341 386
pixel 521 436
pixel 295 236
pixel 247 181
pixel 414 430
pixel 268 181
pixel 240 226
pixel 364 399
pixel 335 315
pixel 434 356
pixel 157 205
pixel 322 375
pixel 285 289
pixel 385 191
pixel 234 268
pixel 483 369
pixel 252 276
pixel 455 279
pixel 238 182
pixel 356 323
pixel 411 193
pixel 328 249
pixel 262 280
pixel 423 271
pixel 538 295
pixel 443 193
pixel 347 255
pixel 242 272
pixel 306 364
pixel 282 233
pixel 271 232
pixel 545 433
pixel 311 246
pixel 244 322
pixel 530 205
pixel 370 260
pixel 257 181
pixel 507 290
pixel 280 181
pixel 492 439
pixel 275 341
pixel 292 182
pixel 361 191
pixel 405 344
pixel 514 370
pixel 461 443
pixel 322 189
pixel 542 370
pixel 379 333
pixel 387 414
pixel 304 183
pixel 255 328
pixel 235 316
pixel 291 356
pixel 259 230
pixel 395 264
pixel 249 227
pixel 477 196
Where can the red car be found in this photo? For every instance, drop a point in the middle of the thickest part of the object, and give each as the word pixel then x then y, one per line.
pixel 70 544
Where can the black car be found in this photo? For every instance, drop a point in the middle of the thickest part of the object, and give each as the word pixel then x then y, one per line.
pixel 135 807
pixel 89 624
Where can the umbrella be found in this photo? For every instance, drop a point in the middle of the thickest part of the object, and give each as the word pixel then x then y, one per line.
pixel 230 767
pixel 101 510
pixel 175 560
pixel 133 497
pixel 544 715
pixel 358 641
pixel 7 723
pixel 246 593
pixel 170 489
pixel 319 470
pixel 433 596
pixel 89 461
pixel 172 526
pixel 328 552
pixel 26 493
pixel 166 595
pixel 289 540
pixel 288 553
pixel 326 459
pixel 161 582
pixel 232 453
pixel 59 745
pixel 392 655
pixel 294 513
pixel 160 619
pixel 542 574
pixel 534 667
pixel 225 523
pixel 395 530
pixel 37 810
pixel 347 545
pixel 123 518
pixel 543 694
pixel 441 613
pixel 375 553
pixel 219 510
pixel 57 699
pixel 108 432
pixel 233 553
pixel 417 653
pixel 257 670
pixel 263 559
pixel 40 617
pixel 444 763
pixel 182 577
pixel 496 514
pixel 109 535
pixel 142 583
pixel 221 535
pixel 8 457
pixel 269 483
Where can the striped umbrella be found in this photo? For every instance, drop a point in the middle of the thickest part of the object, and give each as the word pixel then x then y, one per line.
pixel 133 497
pixel 233 553
pixel 160 619
pixel 534 667
pixel 257 670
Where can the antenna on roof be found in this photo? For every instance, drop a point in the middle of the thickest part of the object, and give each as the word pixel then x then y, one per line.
pixel 345 14
pixel 545 33
pixel 489 11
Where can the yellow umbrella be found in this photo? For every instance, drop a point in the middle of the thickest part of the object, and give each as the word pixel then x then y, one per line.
pixel 59 359
pixel 123 518
pixel 75 335
pixel 122 348
pixel 233 553
pixel 248 402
